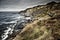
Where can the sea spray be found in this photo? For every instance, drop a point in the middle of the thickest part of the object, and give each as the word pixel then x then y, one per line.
pixel 10 29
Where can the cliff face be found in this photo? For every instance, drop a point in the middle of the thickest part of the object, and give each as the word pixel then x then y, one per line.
pixel 45 24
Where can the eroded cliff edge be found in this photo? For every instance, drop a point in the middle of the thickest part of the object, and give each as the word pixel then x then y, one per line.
pixel 45 23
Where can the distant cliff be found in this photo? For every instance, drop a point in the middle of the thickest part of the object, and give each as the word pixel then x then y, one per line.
pixel 45 24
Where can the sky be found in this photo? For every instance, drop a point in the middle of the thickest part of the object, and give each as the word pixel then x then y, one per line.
pixel 18 5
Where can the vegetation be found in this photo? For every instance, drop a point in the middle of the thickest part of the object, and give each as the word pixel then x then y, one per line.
pixel 46 24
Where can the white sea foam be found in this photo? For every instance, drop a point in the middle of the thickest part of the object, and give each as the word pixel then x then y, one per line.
pixel 9 22
pixel 5 35
pixel 27 18
pixel 9 29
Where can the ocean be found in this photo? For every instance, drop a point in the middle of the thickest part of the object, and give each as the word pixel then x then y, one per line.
pixel 10 22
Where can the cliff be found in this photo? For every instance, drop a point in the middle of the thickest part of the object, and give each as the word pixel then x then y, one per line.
pixel 45 24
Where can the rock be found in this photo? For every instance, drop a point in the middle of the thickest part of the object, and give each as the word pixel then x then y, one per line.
pixel 46 24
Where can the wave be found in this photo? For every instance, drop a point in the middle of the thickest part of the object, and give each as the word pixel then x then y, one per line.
pixel 9 22
pixel 9 31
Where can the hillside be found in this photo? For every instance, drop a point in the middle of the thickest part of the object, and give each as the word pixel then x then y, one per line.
pixel 45 23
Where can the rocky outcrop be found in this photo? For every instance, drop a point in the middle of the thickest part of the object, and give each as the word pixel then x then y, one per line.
pixel 45 24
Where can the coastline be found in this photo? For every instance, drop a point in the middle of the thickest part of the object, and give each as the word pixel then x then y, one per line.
pixel 36 13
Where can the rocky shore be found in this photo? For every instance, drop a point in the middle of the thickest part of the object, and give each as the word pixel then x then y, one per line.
pixel 44 23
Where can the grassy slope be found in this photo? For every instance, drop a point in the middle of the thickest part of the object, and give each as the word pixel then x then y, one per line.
pixel 46 24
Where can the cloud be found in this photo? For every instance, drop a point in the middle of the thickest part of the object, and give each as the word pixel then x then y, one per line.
pixel 19 4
